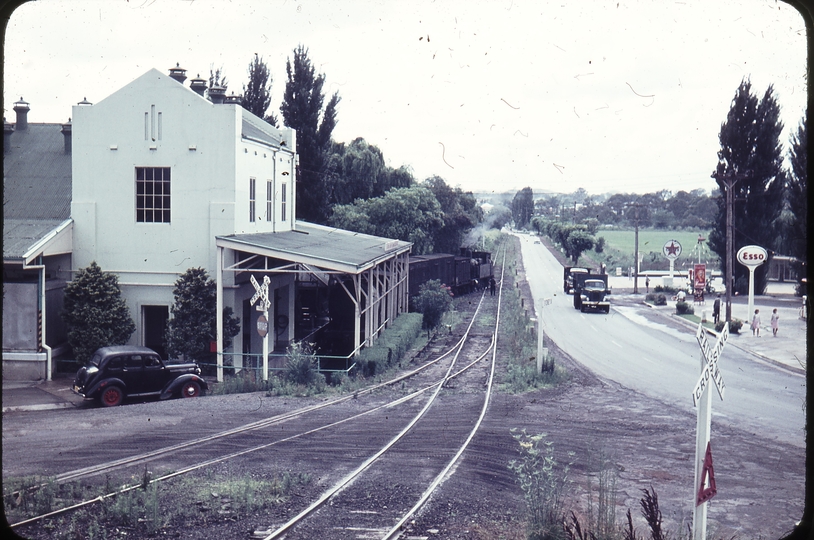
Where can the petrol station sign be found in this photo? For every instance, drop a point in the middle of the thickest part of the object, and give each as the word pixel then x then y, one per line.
pixel 752 256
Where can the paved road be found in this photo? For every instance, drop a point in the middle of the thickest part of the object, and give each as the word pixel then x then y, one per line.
pixel 661 358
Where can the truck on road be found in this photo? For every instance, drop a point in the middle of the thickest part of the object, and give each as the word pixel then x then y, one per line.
pixel 591 292
pixel 569 274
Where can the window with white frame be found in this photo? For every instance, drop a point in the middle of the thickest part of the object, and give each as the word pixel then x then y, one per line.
pixel 153 195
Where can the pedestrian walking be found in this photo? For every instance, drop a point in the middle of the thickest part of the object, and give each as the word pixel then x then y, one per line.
pixel 716 310
pixel 775 322
pixel 492 286
pixel 756 323
pixel 647 284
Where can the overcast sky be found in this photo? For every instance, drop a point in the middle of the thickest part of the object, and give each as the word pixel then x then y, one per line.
pixel 611 96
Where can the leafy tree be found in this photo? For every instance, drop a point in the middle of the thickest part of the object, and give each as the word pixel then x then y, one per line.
pixel 547 206
pixel 95 312
pixel 523 207
pixel 750 151
pixel 798 194
pixel 410 214
pixel 302 109
pixel 257 94
pixel 578 242
pixel 216 78
pixel 432 301
pixel 461 214
pixel 193 324
pixel 397 178
pixel 619 203
pixel 354 172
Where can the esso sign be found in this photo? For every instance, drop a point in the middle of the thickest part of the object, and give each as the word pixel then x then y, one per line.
pixel 752 255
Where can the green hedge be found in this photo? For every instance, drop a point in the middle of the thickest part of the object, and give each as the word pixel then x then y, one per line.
pixel 391 346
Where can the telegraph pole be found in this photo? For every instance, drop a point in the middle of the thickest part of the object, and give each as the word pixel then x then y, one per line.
pixel 636 249
pixel 729 181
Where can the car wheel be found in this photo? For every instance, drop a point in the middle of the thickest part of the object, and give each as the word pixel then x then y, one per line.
pixel 191 389
pixel 112 396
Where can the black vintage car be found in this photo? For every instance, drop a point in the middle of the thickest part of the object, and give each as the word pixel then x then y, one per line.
pixel 114 373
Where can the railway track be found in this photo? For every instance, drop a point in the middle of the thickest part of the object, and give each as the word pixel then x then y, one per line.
pixel 413 463
pixel 415 385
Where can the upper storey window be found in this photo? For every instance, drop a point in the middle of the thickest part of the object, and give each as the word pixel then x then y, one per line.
pixel 152 194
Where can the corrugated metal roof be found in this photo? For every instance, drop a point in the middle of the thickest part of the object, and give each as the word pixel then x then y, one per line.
pixel 325 247
pixel 258 129
pixel 19 235
pixel 37 174
pixel 36 187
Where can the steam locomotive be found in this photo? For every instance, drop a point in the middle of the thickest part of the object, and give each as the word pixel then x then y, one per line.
pixel 466 272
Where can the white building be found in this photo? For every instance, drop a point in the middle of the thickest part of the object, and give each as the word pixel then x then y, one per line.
pixel 164 180
pixel 159 171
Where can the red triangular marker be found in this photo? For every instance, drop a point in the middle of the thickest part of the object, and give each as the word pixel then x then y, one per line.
pixel 705 494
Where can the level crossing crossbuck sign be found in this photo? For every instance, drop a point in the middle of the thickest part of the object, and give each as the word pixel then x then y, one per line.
pixel 261 294
pixel 711 370
pixel 701 399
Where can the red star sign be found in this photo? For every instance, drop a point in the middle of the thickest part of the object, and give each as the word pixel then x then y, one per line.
pixel 672 249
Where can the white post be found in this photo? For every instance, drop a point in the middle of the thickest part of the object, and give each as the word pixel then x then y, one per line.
pixel 751 303
pixel 219 312
pixel 704 421
pixel 266 341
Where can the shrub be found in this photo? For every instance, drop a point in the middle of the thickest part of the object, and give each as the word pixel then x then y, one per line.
pixel 683 308
pixel 432 300
pixel 665 289
pixel 735 326
pixel 657 299
pixel 95 312
pixel 301 367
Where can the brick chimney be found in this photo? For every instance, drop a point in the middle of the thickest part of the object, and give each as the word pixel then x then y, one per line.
pixel 66 133
pixel 178 73
pixel 217 94
pixel 198 85
pixel 8 129
pixel 21 108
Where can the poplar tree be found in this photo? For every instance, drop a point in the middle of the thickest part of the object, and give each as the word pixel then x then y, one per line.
pixel 302 109
pixel 798 196
pixel 752 153
pixel 523 207
pixel 257 93
pixel 95 312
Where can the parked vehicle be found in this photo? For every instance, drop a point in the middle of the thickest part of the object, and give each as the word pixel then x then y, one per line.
pixel 591 292
pixel 114 373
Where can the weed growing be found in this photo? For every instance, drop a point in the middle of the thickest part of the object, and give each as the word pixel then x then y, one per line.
pixel 544 483
pixel 186 501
